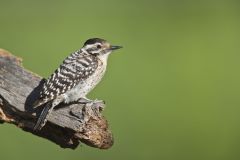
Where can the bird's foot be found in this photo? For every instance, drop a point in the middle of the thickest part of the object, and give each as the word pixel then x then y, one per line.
pixel 100 104
pixel 84 100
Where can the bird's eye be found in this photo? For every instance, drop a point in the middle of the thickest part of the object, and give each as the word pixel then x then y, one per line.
pixel 99 46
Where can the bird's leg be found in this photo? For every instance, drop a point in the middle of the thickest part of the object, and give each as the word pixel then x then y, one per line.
pixel 92 107
pixel 89 102
pixel 85 100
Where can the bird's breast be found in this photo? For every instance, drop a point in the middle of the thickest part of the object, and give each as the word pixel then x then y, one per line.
pixel 86 85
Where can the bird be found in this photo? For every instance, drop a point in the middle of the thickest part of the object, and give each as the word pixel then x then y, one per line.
pixel 79 73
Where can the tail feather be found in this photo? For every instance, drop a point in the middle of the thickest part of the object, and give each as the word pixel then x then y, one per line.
pixel 42 119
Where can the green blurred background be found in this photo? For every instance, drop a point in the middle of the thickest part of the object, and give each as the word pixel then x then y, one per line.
pixel 172 92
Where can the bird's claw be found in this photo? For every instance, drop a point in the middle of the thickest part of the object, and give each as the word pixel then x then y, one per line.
pixel 93 103
pixel 98 104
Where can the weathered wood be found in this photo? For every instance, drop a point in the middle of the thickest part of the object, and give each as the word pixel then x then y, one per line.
pixel 67 126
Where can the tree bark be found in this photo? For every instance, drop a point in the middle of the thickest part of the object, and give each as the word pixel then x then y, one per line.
pixel 68 124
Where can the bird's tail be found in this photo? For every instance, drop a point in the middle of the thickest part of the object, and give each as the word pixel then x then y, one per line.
pixel 42 119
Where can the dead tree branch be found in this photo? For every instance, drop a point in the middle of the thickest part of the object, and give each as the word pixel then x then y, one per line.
pixel 67 126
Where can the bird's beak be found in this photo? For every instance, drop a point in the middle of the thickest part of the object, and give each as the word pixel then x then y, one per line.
pixel 115 47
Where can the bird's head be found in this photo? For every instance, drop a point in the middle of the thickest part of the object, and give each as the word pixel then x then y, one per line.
pixel 97 46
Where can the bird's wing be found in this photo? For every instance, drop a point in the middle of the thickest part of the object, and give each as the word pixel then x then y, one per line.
pixel 69 74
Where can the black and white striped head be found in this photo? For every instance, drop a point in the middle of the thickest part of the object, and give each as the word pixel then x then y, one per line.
pixel 98 46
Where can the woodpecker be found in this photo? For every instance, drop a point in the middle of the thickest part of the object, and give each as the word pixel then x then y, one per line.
pixel 79 73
